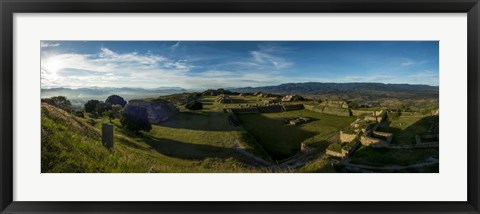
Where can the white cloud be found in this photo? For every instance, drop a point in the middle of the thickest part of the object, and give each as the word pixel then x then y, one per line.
pixel 217 73
pixel 267 59
pixel 109 68
pixel 48 44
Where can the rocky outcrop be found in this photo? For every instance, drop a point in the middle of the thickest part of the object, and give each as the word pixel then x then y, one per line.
pixel 158 110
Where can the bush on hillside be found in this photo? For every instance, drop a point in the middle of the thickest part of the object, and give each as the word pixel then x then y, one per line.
pixel 194 105
pixel 115 100
pixel 101 108
pixel 90 106
pixel 136 119
pixel 59 102
pixel 114 112
pixel 79 114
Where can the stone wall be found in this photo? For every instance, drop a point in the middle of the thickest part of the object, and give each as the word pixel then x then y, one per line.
pixel 362 112
pixel 334 154
pixel 371 141
pixel 344 152
pixel 386 135
pixel 337 111
pixel 245 110
pixel 270 109
pixel 335 104
pixel 346 137
pixel 329 110
pixel 293 107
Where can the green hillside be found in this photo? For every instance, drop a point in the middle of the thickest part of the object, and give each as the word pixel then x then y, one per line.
pixel 70 144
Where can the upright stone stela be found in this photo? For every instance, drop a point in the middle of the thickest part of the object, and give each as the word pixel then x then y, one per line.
pixel 107 135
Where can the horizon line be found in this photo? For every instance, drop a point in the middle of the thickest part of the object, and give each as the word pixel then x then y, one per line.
pixel 159 87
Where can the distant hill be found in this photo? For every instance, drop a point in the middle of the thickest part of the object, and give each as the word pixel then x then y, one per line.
pixel 348 90
pixel 80 96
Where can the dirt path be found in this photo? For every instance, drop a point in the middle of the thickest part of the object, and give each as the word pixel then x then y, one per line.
pixel 239 148
pixel 430 161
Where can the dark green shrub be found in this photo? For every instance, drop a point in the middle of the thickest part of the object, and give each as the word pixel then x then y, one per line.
pixel 79 114
pixel 91 105
pixel 194 105
pixel 115 100
pixel 136 119
pixel 59 102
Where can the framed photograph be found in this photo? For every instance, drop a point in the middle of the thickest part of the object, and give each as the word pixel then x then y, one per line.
pixel 239 106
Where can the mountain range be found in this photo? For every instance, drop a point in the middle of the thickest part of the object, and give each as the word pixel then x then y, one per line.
pixel 348 90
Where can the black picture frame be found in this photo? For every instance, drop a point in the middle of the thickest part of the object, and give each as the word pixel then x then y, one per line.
pixel 9 7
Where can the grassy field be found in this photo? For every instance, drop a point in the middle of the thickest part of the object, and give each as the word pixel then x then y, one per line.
pixel 281 140
pixel 205 141
pixel 404 128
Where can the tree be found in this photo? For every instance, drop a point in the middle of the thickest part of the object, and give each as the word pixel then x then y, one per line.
pixel 115 100
pixel 194 105
pixel 101 108
pixel 115 112
pixel 135 118
pixel 59 102
pixel 79 114
pixel 90 106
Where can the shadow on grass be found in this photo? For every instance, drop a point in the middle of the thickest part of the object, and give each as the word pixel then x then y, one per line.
pixel 279 139
pixel 407 135
pixel 184 150
pixel 202 121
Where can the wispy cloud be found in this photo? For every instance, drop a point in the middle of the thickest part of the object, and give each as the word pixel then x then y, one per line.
pixel 409 62
pixel 175 46
pixel 424 77
pixel 48 44
pixel 266 59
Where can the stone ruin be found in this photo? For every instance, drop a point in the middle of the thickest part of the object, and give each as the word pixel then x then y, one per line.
pixel 332 107
pixel 347 137
pixel 298 120
pixel 222 98
pixel 377 116
pixel 376 139
pixel 366 131
pixel 292 98
pixel 267 109
pixel 334 103
pixel 273 101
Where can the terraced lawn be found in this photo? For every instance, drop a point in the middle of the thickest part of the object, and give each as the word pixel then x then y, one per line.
pixel 404 128
pixel 282 140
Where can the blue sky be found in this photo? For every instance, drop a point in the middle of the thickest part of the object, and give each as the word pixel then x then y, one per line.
pixel 203 65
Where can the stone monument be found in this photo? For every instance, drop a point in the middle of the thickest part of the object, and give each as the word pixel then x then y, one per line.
pixel 107 135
